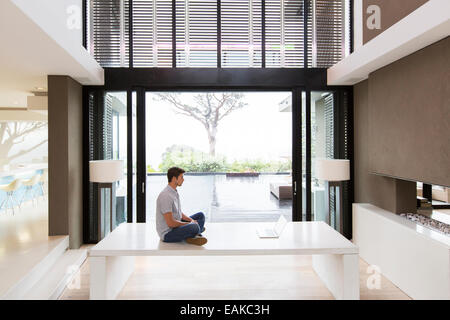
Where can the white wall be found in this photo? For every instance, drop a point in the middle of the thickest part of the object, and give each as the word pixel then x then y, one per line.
pixel 357 24
pixel 63 16
pixel 59 24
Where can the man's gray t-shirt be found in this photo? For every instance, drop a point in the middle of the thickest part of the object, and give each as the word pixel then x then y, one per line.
pixel 168 201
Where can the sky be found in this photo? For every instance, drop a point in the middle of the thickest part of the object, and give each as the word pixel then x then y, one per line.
pixel 257 131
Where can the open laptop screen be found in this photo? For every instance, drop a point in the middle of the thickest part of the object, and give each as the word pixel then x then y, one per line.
pixel 279 226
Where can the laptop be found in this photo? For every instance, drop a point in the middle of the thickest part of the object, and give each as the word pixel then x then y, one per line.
pixel 274 231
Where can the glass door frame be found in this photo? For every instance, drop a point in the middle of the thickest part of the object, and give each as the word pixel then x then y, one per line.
pixel 141 144
pixel 342 145
pixel 141 180
pixel 136 194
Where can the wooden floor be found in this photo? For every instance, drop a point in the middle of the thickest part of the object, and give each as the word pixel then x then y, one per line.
pixel 228 278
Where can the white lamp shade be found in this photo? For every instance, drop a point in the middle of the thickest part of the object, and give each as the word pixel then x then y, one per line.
pixel 333 169
pixel 105 171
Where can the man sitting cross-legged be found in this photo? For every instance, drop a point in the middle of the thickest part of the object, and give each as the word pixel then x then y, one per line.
pixel 172 224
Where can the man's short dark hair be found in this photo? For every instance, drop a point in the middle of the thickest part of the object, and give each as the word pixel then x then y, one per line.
pixel 174 172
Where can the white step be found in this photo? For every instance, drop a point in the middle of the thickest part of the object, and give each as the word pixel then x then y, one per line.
pixel 51 286
pixel 28 281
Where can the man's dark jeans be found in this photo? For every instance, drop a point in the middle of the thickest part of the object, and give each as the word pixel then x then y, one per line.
pixel 187 231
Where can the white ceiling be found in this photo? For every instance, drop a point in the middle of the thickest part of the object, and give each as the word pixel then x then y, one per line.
pixel 34 44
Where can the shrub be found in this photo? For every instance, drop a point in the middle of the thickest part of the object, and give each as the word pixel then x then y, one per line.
pixel 193 160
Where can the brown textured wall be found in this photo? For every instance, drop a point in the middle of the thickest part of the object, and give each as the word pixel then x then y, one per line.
pixel 65 159
pixel 368 188
pixel 57 156
pixel 385 192
pixel 409 112
pixel 401 129
pixel 75 157
pixel 392 11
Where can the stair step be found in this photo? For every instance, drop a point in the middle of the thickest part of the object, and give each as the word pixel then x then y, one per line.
pixel 52 284
pixel 29 280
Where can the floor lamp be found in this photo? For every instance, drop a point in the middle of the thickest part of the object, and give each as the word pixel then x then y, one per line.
pixel 334 172
pixel 106 173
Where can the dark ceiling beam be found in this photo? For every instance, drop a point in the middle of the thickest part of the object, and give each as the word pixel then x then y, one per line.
pixel 201 78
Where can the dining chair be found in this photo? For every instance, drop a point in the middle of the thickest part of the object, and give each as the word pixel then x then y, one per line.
pixel 29 184
pixel 43 181
pixel 10 189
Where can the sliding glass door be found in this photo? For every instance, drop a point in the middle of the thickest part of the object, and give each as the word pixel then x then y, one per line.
pixel 322 146
pixel 106 133
pixel 326 127
pixel 238 161
pixel 320 129
pixel 262 163
pixel 132 155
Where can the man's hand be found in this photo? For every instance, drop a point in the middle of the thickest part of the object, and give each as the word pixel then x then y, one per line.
pixel 194 221
pixel 186 218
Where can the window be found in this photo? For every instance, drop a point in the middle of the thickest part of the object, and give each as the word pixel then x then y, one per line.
pixel 239 30
pixel 328 32
pixel 196 33
pixel 152 33
pixel 108 40
pixel 284 33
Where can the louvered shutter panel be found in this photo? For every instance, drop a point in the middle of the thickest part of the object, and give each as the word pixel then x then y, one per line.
pixel 345 153
pixel 108 128
pixel 143 33
pixel 182 35
pixel 284 33
pixel 328 27
pixel 293 33
pixel 109 39
pixel 198 44
pixel 93 143
pixel 164 33
pixel 273 33
pixel 92 136
pixel 329 148
pixel 152 33
pixel 241 33
pixel 256 34
pixel 329 126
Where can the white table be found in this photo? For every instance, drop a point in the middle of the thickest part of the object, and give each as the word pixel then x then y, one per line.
pixel 335 259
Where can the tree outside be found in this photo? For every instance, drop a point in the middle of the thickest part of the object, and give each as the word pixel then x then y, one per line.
pixel 209 109
pixel 219 132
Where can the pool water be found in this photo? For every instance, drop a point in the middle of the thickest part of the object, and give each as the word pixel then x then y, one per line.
pixel 224 199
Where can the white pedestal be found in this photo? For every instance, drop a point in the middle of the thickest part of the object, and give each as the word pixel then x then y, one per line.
pixel 109 275
pixel 340 274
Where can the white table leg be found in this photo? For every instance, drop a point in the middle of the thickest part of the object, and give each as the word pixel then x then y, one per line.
pixel 340 273
pixel 108 275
